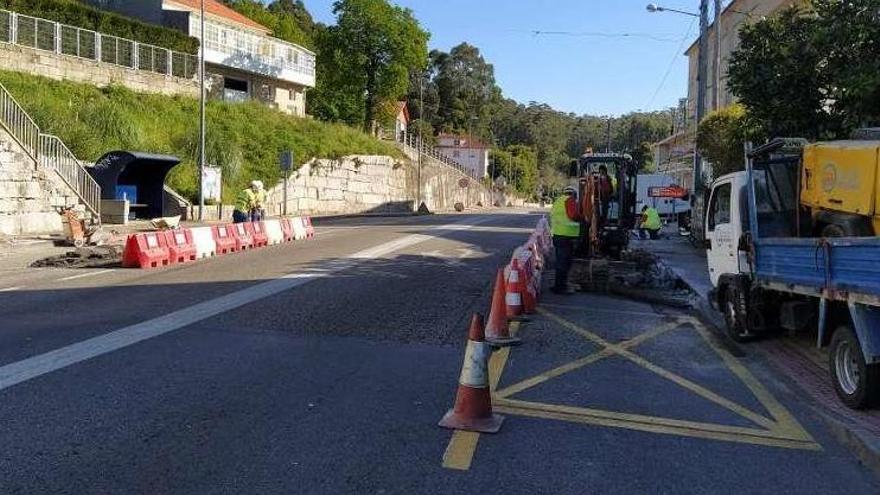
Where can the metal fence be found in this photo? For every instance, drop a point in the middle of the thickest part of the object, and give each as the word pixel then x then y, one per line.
pixel 43 34
pixel 415 144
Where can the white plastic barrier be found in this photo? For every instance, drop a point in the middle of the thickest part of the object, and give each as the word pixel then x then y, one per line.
pixel 299 228
pixel 274 234
pixel 204 241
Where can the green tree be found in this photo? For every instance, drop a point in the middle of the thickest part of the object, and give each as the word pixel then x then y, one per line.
pixel 776 74
pixel 848 36
pixel 721 138
pixel 368 56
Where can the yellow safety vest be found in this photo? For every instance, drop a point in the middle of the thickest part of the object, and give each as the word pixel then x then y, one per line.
pixel 560 224
pixel 245 201
pixel 652 221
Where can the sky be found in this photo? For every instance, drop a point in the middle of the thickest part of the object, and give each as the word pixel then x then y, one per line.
pixel 578 70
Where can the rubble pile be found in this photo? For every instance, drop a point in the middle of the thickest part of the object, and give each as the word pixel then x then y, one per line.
pixel 84 257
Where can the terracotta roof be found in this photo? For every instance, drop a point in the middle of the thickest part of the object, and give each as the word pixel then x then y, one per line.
pixel 217 9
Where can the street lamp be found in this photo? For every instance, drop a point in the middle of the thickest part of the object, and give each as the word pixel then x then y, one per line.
pixel 656 8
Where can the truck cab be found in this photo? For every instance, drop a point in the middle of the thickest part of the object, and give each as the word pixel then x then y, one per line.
pixel 726 222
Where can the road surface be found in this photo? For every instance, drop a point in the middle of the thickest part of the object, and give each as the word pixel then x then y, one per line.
pixel 324 366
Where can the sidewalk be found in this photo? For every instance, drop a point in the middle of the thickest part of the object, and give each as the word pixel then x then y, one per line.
pixel 795 356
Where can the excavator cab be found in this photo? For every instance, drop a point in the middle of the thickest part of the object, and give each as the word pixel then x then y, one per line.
pixel 606 185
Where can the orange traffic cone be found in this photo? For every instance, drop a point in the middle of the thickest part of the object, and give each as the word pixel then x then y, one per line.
pixel 498 331
pixel 513 291
pixel 473 401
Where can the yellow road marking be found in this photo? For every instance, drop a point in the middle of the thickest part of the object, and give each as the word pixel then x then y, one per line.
pixel 679 380
pixel 460 451
pixel 783 431
pixel 580 363
pixel 660 428
pixel 785 422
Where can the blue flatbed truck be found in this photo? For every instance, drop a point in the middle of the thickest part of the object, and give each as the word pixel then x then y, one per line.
pixel 770 272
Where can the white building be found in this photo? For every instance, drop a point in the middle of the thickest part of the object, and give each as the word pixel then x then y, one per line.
pixel 242 60
pixel 468 151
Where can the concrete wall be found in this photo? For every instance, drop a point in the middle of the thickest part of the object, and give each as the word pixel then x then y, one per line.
pixel 29 195
pixel 65 67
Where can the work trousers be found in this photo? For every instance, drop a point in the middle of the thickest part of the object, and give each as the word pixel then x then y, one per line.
pixel 564 252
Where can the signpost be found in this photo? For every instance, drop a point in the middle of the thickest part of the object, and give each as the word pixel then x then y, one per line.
pixel 286 162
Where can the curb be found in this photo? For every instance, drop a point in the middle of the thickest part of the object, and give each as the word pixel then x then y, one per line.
pixel 864 445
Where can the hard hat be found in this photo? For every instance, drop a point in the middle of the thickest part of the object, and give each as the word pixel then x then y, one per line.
pixel 255 184
pixel 569 190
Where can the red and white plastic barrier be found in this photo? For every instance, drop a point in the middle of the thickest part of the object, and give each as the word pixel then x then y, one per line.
pixel 157 249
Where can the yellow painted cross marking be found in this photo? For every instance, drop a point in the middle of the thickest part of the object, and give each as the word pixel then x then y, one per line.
pixel 781 429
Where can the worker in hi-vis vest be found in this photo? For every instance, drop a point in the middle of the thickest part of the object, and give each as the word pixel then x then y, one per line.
pixel 566 229
pixel 650 224
pixel 244 204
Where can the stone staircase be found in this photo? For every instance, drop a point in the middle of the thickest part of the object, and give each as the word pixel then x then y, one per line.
pixel 30 195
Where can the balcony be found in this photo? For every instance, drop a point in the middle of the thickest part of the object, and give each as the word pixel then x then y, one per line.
pixel 250 52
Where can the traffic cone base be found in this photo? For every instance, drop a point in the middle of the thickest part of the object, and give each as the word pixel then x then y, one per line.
pixel 498 341
pixel 492 424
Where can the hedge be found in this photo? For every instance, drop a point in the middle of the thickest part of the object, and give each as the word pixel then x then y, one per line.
pixel 77 14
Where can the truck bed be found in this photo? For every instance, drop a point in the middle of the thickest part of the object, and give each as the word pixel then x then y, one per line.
pixel 840 267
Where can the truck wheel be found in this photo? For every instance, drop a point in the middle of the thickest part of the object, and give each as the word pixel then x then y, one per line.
pixel 733 308
pixel 856 383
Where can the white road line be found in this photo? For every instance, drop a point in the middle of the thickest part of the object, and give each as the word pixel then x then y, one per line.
pixel 10 289
pixel 33 367
pixel 84 275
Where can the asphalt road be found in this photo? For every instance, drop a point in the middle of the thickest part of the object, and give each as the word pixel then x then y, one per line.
pixel 323 367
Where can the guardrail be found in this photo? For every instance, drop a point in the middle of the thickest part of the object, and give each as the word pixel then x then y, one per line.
pixel 43 34
pixel 55 154
pixel 418 146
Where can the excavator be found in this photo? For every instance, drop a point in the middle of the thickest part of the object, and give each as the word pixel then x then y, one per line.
pixel 606 202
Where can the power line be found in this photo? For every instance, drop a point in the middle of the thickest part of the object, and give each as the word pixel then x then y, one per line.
pixel 597 34
pixel 675 56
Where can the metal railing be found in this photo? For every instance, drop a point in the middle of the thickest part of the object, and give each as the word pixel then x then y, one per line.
pixel 55 154
pixel 416 145
pixel 19 123
pixel 49 151
pixel 42 34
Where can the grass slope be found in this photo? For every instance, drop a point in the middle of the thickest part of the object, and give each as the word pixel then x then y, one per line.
pixel 244 139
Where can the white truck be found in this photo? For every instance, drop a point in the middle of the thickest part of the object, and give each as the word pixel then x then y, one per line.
pixel 767 275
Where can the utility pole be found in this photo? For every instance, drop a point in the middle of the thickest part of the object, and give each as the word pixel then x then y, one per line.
pixel 608 137
pixel 421 129
pixel 717 96
pixel 702 74
pixel 202 114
